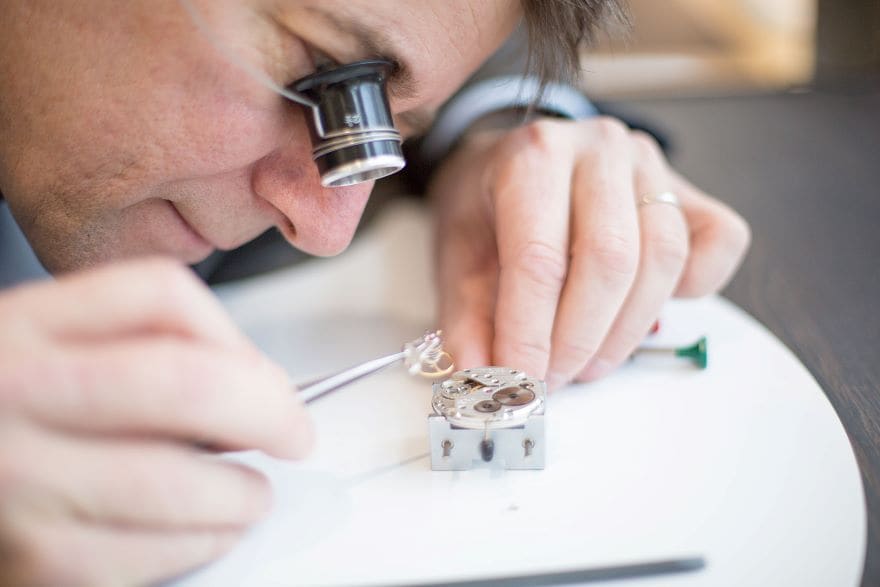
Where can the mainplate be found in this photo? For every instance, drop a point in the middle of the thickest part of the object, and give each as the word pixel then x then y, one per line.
pixel 488 398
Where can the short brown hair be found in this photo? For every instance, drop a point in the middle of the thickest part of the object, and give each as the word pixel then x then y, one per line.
pixel 559 28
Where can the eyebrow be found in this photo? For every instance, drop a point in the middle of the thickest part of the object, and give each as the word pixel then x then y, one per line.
pixel 374 43
pixel 377 44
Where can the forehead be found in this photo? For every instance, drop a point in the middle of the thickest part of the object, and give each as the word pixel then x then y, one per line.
pixel 435 42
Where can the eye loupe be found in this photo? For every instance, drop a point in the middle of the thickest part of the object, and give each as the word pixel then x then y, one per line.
pixel 353 134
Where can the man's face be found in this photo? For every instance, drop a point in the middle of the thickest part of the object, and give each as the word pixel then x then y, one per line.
pixel 125 131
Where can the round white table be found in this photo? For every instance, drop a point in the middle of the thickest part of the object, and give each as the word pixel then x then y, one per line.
pixel 744 464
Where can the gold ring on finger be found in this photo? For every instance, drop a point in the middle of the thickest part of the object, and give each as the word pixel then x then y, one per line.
pixel 661 198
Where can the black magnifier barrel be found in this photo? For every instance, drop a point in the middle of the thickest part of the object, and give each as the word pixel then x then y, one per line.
pixel 353 134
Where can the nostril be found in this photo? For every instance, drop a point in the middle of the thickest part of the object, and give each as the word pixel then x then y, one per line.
pixel 287 230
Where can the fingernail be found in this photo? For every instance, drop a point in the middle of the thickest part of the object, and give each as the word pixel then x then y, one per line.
pixel 302 435
pixel 227 540
pixel 597 368
pixel 554 381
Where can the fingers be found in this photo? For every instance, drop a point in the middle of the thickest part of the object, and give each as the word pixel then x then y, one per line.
pixel 95 556
pixel 466 270
pixel 125 482
pixel 581 273
pixel 468 279
pixel 662 255
pixel 531 195
pixel 87 511
pixel 153 296
pixel 604 255
pixel 719 239
pixel 467 315
pixel 170 388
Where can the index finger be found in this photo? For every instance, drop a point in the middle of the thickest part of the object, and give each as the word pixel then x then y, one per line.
pixel 165 388
pixel 532 200
pixel 150 296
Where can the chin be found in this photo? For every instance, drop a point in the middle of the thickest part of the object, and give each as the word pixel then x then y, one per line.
pixel 71 255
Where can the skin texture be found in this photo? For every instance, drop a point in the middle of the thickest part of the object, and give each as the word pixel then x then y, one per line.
pixel 128 135
pixel 119 117
pixel 119 121
pixel 99 487
pixel 546 262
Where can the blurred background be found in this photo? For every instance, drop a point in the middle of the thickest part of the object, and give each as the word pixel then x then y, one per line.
pixel 701 47
pixel 773 106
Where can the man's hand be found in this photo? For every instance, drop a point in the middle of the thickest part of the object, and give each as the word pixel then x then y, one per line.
pixel 110 381
pixel 546 262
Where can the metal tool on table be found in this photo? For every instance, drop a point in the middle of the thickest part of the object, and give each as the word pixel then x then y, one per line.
pixel 423 356
pixel 488 414
pixel 697 353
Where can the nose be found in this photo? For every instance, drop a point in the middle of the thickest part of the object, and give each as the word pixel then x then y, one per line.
pixel 318 220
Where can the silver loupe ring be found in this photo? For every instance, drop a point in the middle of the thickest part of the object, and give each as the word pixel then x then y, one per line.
pixel 353 140
pixel 347 132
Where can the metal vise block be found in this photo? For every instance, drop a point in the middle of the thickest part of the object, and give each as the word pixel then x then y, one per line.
pixel 489 414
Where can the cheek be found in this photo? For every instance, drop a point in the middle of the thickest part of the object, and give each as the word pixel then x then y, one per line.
pixel 215 133
pixel 213 116
pixel 117 150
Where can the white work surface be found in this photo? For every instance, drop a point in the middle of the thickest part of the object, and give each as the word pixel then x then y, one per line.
pixel 745 464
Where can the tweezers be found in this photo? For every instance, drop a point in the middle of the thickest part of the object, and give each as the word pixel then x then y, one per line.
pixel 422 356
pixel 311 390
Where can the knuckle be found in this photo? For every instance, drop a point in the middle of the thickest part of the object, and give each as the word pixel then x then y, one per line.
pixel 22 375
pixel 175 282
pixel 646 145
pixel 615 254
pixel 611 130
pixel 542 264
pixel 540 135
pixel 668 249
pixel 530 146
pixel 16 309
pixel 575 351
pixel 529 149
pixel 527 351
pixel 75 382
pixel 739 233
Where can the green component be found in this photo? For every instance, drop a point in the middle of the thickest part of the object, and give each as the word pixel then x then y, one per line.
pixel 697 352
